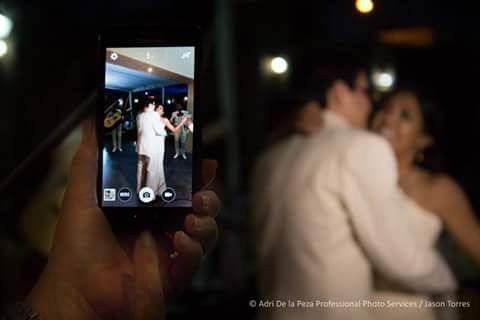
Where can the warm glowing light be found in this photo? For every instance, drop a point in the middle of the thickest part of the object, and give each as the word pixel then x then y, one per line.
pixel 279 65
pixel 383 80
pixel 364 6
pixel 150 69
pixel 3 48
pixel 5 26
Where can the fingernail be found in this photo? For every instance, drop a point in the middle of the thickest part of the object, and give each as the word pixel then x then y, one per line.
pixel 199 200
pixel 147 240
pixel 86 127
pixel 205 201
pixel 215 162
pixel 197 226
pixel 193 221
pixel 182 236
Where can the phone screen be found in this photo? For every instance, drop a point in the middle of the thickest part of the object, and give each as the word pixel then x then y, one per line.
pixel 148 124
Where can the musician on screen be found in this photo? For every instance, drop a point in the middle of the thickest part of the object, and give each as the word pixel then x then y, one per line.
pixel 180 136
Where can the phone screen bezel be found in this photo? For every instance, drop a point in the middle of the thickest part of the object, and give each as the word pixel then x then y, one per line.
pixel 167 218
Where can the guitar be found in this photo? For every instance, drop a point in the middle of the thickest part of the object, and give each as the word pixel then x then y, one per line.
pixel 113 119
pixel 114 114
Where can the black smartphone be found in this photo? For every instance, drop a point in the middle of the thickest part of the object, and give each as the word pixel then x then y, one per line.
pixel 148 125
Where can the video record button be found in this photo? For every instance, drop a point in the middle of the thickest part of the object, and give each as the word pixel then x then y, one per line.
pixel 124 194
pixel 168 195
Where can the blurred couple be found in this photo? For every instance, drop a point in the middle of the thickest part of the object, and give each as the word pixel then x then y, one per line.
pixel 151 133
pixel 346 215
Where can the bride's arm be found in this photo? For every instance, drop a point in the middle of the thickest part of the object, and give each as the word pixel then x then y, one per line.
pixel 169 125
pixel 377 214
pixel 457 213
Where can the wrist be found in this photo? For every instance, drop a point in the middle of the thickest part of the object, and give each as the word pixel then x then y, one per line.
pixel 55 299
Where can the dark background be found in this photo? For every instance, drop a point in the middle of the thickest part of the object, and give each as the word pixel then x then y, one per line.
pixel 50 69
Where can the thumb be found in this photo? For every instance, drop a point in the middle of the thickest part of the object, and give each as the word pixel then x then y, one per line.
pixel 81 189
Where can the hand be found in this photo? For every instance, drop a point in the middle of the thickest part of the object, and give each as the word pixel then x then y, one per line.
pixel 309 119
pixel 90 275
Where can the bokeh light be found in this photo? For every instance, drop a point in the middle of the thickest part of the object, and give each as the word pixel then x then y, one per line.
pixel 364 6
pixel 5 26
pixel 279 65
pixel 3 48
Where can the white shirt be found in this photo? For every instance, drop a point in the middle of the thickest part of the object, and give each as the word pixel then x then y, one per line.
pixel 326 211
pixel 151 131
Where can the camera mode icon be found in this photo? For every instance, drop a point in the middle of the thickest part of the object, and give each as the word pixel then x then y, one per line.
pixel 146 195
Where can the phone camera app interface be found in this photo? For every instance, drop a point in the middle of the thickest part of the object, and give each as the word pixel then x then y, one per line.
pixel 148 127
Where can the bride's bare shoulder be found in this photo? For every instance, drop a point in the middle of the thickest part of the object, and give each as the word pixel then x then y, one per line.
pixel 443 190
pixel 442 183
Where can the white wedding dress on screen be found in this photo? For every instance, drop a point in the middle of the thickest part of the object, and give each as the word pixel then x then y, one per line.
pixel 427 227
pixel 158 182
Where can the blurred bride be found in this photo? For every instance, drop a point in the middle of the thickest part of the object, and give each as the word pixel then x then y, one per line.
pixel 158 183
pixel 409 122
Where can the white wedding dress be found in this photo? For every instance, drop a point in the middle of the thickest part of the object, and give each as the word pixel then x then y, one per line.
pixel 427 227
pixel 156 172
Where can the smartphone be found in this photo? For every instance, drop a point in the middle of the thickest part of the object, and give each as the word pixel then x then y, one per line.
pixel 148 125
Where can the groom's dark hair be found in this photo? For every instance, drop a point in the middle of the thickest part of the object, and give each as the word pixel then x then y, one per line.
pixel 313 73
pixel 317 70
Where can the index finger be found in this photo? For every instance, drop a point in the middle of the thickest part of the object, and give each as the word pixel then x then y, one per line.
pixel 206 203
pixel 208 171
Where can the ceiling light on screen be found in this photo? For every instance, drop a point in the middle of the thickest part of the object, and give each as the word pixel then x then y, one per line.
pixel 186 55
